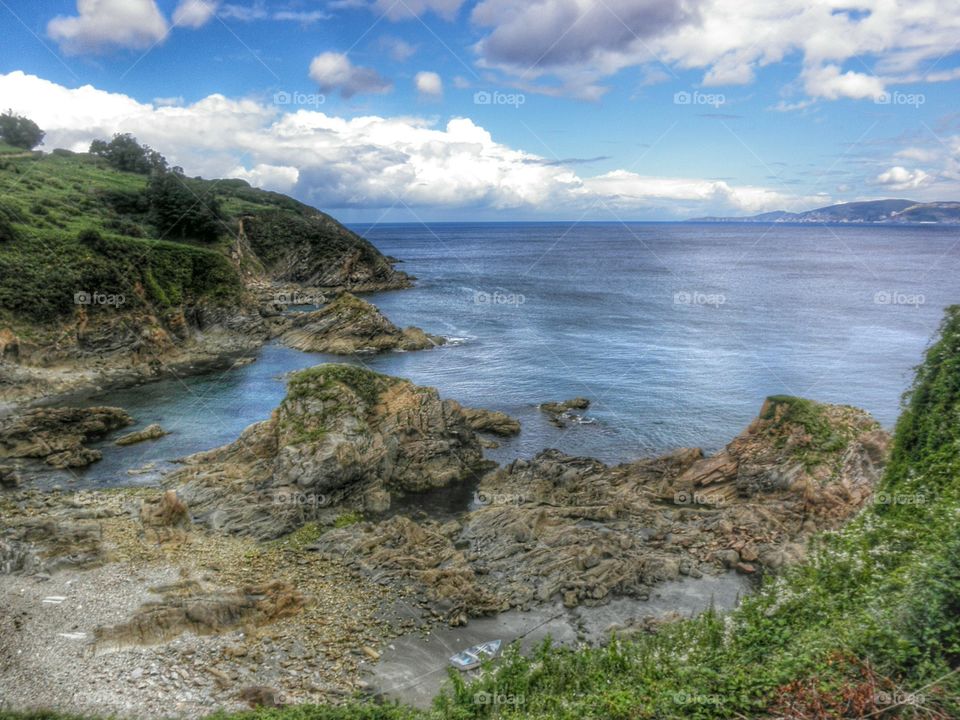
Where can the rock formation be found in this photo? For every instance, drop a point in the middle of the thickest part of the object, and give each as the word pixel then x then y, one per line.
pixel 58 435
pixel 574 528
pixel 349 326
pixel 342 434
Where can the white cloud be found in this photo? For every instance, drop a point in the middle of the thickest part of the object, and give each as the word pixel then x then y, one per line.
pixel 194 13
pixel 369 161
pixel 843 50
pixel 102 25
pixel 830 83
pixel 899 178
pixel 334 71
pixel 428 84
pixel 281 178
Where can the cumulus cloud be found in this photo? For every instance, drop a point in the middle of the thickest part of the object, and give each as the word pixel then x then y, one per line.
pixel 899 178
pixel 369 161
pixel 102 25
pixel 334 71
pixel 843 53
pixel 830 83
pixel 194 13
pixel 428 84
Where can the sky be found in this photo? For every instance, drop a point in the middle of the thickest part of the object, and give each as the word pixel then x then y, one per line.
pixel 441 110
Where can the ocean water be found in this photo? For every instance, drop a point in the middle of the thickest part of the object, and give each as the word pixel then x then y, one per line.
pixel 675 332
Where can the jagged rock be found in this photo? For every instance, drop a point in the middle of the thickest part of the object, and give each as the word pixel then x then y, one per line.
pixel 348 326
pixel 559 412
pixel 340 433
pixel 58 434
pixel 575 529
pixel 150 432
pixel 492 421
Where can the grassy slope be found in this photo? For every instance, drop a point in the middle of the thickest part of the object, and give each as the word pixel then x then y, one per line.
pixel 47 201
pixel 871 618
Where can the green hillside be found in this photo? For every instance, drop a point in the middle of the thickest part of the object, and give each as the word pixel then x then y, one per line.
pixel 71 223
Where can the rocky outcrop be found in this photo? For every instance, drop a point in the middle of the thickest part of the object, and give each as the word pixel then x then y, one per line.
pixel 58 435
pixel 311 248
pixel 492 421
pixel 342 434
pixel 576 529
pixel 150 432
pixel 350 326
pixel 560 413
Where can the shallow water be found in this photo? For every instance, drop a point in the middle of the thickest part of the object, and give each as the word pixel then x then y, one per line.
pixel 413 668
pixel 675 331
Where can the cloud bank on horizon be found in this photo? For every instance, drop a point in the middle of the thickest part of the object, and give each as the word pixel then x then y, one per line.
pixel 413 126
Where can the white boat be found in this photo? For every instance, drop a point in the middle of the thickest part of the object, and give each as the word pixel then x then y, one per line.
pixel 473 656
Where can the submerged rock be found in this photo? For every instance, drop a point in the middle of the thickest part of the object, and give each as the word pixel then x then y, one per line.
pixel 348 326
pixel 150 432
pixel 57 435
pixel 559 412
pixel 342 434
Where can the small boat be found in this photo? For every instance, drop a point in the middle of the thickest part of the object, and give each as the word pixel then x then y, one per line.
pixel 473 656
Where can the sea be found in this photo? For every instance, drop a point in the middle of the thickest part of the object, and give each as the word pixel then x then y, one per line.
pixel 675 332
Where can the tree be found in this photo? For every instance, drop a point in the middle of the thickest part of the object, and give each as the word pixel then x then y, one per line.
pixel 126 154
pixel 181 210
pixel 19 131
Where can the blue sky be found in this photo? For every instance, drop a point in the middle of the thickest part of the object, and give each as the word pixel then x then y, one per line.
pixel 502 109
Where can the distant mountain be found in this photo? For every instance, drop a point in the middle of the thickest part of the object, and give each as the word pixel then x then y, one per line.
pixel 873 211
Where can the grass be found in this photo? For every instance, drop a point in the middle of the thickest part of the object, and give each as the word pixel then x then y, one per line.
pixel 50 202
pixel 825 436
pixel 322 382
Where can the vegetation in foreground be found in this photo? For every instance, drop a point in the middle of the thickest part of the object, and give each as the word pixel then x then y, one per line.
pixel 868 627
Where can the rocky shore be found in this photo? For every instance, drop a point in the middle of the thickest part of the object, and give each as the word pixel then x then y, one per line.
pixel 231 587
